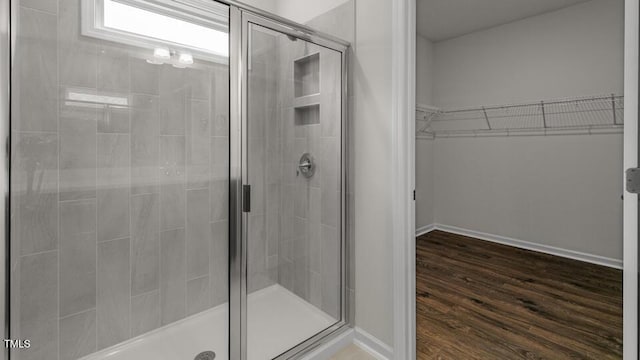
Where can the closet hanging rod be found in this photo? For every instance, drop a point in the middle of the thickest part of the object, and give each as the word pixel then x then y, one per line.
pixel 611 97
pixel 580 113
pixel 580 130
pixel 494 117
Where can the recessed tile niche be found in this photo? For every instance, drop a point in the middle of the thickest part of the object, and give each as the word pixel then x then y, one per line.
pixel 307 89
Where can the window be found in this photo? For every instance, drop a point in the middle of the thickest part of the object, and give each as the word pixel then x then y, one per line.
pixel 175 32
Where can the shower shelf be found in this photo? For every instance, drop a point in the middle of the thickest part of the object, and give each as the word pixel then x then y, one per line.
pixel 585 115
pixel 306 75
pixel 306 101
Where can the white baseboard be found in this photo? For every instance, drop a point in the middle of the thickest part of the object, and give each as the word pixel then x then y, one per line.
pixel 372 345
pixel 571 254
pixel 425 229
pixel 328 350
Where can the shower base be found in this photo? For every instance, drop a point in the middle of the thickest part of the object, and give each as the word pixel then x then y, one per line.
pixel 277 319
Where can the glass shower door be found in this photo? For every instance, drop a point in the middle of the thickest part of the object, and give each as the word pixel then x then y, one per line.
pixel 293 231
pixel 119 179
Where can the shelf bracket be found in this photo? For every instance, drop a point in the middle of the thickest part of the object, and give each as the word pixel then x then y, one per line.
pixel 486 118
pixel 613 109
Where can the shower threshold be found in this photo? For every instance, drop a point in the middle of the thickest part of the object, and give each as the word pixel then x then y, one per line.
pixel 277 320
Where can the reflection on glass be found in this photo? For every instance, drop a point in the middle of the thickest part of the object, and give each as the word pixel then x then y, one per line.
pixel 119 183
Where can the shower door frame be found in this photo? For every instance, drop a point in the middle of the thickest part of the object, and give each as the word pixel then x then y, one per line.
pixel 240 19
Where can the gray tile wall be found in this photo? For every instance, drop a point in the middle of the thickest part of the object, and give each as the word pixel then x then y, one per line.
pixel 119 214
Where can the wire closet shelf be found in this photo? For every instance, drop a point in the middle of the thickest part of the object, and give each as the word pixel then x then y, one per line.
pixel 584 115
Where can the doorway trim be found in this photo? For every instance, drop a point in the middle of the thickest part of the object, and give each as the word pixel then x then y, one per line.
pixel 630 230
pixel 403 179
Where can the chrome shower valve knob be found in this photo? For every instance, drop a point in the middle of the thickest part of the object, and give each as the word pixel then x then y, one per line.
pixel 306 165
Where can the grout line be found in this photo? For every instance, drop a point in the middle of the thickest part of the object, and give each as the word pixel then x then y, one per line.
pixel 78 313
pixel 145 293
pixel 131 232
pixel 116 239
pixel 36 132
pixel 97 262
pixel 158 178
pixel 185 194
pixel 144 194
pixel 25 7
pixel 174 229
pixel 57 87
pixel 38 253
pixel 79 200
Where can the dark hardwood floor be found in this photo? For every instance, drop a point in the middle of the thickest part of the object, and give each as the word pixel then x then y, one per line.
pixel 480 300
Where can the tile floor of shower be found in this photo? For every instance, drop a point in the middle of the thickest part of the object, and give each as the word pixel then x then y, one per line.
pixel 277 320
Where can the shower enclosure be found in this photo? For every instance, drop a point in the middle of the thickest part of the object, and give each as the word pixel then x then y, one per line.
pixel 177 181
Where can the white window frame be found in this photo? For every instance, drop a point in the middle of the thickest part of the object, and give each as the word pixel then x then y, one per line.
pixel 204 13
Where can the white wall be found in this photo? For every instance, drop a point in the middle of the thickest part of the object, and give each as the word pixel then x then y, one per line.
pixel 302 11
pixel 372 161
pixel 267 5
pixel 571 52
pixel 561 191
pixel 424 71
pixel 424 147
pixel 425 200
